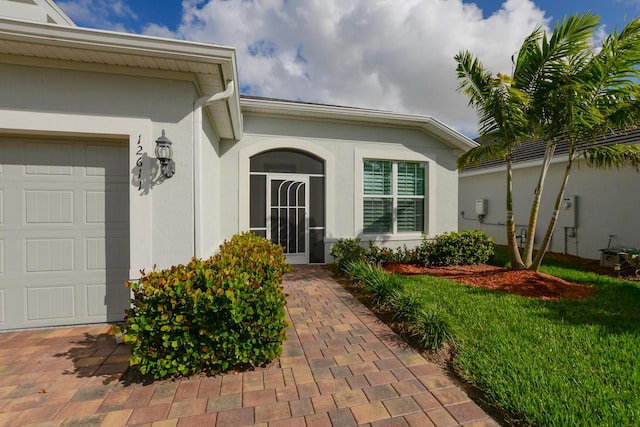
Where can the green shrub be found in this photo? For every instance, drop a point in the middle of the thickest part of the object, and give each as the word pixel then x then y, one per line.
pixel 378 255
pixel 403 305
pixel 374 279
pixel 385 255
pixel 431 328
pixel 464 248
pixel 345 251
pixel 210 316
pixel 357 270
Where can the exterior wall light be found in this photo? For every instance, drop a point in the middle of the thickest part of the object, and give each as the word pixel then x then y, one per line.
pixel 164 153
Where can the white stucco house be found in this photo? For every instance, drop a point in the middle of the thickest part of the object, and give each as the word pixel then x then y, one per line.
pixel 599 210
pixel 85 204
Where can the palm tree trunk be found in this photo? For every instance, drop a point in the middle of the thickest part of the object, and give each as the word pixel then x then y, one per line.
pixel 512 245
pixel 535 205
pixel 542 250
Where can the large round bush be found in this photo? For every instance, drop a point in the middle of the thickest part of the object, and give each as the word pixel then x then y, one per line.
pixel 210 315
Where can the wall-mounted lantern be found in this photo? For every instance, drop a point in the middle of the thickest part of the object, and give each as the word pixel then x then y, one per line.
pixel 164 153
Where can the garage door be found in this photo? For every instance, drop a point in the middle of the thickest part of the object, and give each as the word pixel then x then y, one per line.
pixel 64 232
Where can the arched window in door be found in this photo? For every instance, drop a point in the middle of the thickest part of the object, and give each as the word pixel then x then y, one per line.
pixel 287 202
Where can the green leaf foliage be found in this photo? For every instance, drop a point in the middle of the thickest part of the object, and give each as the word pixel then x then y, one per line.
pixel 610 156
pixel 428 326
pixel 210 315
pixel 463 248
pixel 346 251
pixel 432 329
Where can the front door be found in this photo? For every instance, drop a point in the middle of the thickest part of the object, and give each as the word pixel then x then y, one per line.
pixel 287 215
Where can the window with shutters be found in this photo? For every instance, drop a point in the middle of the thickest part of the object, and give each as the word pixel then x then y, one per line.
pixel 394 196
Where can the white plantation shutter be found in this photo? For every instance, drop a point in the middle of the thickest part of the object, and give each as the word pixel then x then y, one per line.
pixel 410 215
pixel 377 177
pixel 378 211
pixel 410 179
pixel 377 215
pixel 410 204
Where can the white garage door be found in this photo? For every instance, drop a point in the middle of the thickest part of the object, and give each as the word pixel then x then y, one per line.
pixel 64 232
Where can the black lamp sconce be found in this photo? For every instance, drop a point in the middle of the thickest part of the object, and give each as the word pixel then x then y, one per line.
pixel 164 153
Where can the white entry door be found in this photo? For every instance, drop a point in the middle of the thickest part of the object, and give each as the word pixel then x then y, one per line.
pixel 64 232
pixel 287 215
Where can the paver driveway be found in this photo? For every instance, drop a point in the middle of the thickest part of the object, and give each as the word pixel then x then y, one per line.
pixel 340 367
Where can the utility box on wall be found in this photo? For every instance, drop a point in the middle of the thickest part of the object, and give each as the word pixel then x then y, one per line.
pixel 481 207
pixel 568 214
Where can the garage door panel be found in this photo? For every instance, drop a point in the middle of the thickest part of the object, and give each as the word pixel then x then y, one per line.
pixel 50 303
pixel 48 207
pixel 106 161
pixel 117 296
pixel 47 158
pixel 111 206
pixel 101 255
pixel 107 300
pixel 64 227
pixel 96 300
pixel 117 206
pixel 46 255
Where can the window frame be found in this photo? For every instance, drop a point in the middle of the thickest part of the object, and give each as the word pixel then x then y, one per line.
pixel 395 196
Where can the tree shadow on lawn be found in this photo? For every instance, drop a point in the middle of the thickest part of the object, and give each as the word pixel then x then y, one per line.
pixel 615 307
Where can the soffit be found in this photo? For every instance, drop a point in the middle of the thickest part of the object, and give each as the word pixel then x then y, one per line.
pixel 211 66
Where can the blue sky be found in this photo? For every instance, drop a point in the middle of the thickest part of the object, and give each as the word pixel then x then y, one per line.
pixel 169 12
pixel 392 55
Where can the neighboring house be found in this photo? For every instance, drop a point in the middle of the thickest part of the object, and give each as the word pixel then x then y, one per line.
pixel 599 208
pixel 84 204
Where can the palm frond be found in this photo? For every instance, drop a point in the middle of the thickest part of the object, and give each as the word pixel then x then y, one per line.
pixel 477 154
pixel 610 156
pixel 473 78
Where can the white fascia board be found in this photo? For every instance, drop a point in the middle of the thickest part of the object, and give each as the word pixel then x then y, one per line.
pixel 427 124
pixel 114 42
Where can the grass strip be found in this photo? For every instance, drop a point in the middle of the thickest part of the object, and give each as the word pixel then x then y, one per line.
pixel 548 363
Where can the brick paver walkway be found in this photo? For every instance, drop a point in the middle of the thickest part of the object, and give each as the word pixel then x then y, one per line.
pixel 340 367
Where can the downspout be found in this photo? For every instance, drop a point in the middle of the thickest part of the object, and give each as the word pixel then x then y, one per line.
pixel 197 158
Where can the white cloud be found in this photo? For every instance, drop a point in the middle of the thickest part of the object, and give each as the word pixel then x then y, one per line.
pixel 381 54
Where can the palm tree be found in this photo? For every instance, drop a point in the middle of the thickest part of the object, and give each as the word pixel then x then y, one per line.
pixel 539 66
pixel 562 89
pixel 501 109
pixel 594 93
pixel 510 108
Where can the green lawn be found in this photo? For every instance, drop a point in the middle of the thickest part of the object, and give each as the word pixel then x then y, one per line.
pixel 555 363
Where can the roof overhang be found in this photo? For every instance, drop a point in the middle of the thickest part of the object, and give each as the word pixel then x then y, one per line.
pixel 427 124
pixel 211 67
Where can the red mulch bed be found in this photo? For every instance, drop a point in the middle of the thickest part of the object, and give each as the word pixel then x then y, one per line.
pixel 518 282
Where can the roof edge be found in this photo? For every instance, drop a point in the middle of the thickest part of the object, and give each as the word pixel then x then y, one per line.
pixel 427 124
pixel 502 167
pixel 53 7
pixel 103 40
